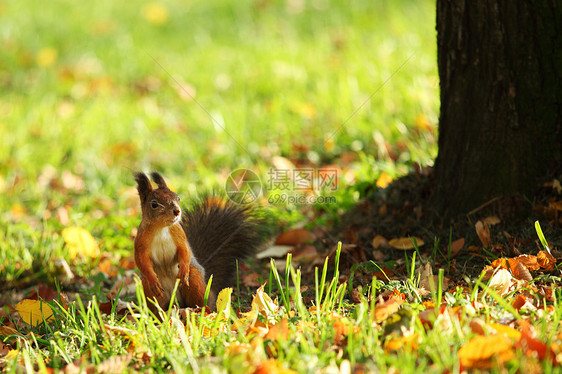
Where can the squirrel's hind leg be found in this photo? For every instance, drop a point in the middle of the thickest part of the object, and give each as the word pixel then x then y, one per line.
pixel 194 294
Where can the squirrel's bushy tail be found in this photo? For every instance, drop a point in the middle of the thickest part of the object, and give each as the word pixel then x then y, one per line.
pixel 220 232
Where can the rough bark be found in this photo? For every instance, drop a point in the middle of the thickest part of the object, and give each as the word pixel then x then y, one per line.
pixel 500 69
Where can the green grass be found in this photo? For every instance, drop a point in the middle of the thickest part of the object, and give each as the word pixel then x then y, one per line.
pixel 333 334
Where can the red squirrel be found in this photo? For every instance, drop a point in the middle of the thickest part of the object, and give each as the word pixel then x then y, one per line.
pixel 205 240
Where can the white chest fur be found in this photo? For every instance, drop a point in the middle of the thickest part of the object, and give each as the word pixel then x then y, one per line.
pixel 163 248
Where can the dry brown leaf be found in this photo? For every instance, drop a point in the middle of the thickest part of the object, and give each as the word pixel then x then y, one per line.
pixel 529 261
pixel 406 243
pixel 521 272
pixel 546 260
pixel 379 241
pixel 481 352
pixel 456 246
pixel 294 237
pixel 6 331
pixel 251 280
pixel 483 232
pixel 305 253
pixel 491 221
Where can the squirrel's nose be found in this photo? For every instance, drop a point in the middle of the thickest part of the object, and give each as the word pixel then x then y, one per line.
pixel 176 212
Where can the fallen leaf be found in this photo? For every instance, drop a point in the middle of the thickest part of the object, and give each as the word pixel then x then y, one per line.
pixel 305 253
pixel 155 13
pixel 34 312
pixel 408 343
pixel 522 273
pixel 383 180
pixel 275 251
pixel 251 280
pixel 481 352
pixel 272 366
pixel 491 221
pixel 518 302
pixel 501 281
pixel 530 344
pixel 4 349
pixel 456 246
pixel 114 364
pixel 6 331
pixel 294 237
pixel 279 331
pixel 379 241
pixel 384 309
pixel 546 260
pixel 483 232
pixel 80 241
pixel 406 243
pixel 47 57
pixel 223 302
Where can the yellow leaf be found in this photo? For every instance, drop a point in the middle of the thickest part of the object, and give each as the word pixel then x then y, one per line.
pixel 422 123
pixel 11 355
pixel 384 180
pixel 80 241
pixel 155 13
pixel 261 304
pixel 484 351
pixel 47 57
pixel 17 211
pixel 510 332
pixel 223 302
pixel 34 312
pixel 406 243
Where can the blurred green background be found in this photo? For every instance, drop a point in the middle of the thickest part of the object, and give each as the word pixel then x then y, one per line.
pixel 89 93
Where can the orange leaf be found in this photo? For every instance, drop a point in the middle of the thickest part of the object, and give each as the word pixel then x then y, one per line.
pixel 546 260
pixel 531 345
pixel 483 351
pixel 405 243
pixel 384 180
pixel 294 237
pixel 384 309
pixel 518 302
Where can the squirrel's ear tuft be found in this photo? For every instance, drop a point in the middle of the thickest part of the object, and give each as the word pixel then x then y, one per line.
pixel 158 179
pixel 143 185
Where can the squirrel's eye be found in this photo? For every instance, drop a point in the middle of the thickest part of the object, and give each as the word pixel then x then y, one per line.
pixel 154 204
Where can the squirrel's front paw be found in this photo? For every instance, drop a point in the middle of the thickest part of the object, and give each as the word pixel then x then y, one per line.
pixel 183 275
pixel 156 289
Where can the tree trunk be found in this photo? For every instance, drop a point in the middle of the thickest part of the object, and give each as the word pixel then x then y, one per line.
pixel 500 67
